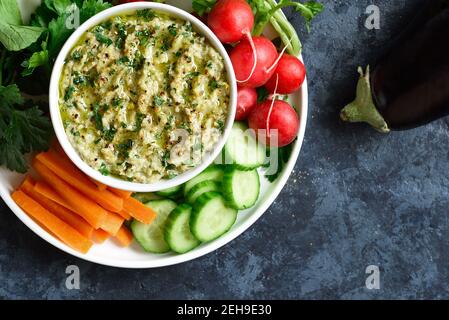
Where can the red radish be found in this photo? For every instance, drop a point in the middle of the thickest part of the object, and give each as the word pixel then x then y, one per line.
pixel 231 20
pixel 291 73
pixel 243 60
pixel 246 101
pixel 275 115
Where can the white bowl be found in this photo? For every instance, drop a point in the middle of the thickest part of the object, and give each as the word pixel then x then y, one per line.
pixel 56 115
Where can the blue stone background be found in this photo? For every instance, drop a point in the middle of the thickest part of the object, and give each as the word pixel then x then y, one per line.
pixel 356 198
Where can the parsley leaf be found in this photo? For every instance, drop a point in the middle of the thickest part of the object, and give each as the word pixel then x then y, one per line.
pixel 143 36
pixel 262 94
pixel 158 101
pixel 58 6
pixel 124 147
pixel 109 134
pixel 16 38
pixel 97 117
pixel 10 12
pixel 123 60
pixel 122 32
pixel 89 8
pixel 213 84
pixel 139 120
pixel 102 38
pixel 202 6
pixel 68 94
pixel 57 16
pixel 173 30
pixel 103 170
pixel 146 14
pixel 13 34
pixel 21 130
pixel 165 158
pixel 37 59
pixel 284 154
pixel 10 95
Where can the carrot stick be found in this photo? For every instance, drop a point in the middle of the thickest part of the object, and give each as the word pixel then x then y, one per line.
pixel 125 215
pixel 99 236
pixel 78 223
pixel 139 211
pixel 121 193
pixel 48 192
pixel 56 147
pixel 112 223
pixel 124 237
pixel 86 208
pixel 45 190
pixel 74 177
pixel 29 180
pixel 62 230
pixel 100 186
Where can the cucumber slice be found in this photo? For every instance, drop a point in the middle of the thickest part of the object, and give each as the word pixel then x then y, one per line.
pixel 177 230
pixel 170 192
pixel 242 149
pixel 151 236
pixel 214 173
pixel 211 217
pixel 241 188
pixel 200 188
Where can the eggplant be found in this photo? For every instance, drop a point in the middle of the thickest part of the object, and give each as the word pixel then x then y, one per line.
pixel 409 86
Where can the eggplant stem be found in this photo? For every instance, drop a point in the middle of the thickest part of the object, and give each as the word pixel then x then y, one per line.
pixel 363 109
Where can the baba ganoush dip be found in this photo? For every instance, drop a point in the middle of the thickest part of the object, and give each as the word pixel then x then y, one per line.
pixel 143 96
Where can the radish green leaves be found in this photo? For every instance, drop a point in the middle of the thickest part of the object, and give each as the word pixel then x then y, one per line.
pixel 266 9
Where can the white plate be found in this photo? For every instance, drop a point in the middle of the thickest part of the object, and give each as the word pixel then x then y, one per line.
pixel 133 257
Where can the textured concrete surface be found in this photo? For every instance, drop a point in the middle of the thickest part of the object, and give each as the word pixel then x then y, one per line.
pixel 356 198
